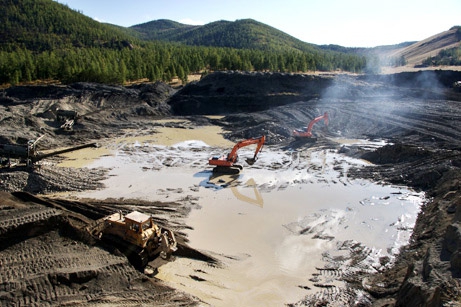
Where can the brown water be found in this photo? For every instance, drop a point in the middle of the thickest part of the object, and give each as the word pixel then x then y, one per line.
pixel 271 226
pixel 165 136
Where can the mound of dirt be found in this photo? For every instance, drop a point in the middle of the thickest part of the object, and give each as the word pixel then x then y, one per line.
pixel 46 261
pixel 49 179
pixel 28 112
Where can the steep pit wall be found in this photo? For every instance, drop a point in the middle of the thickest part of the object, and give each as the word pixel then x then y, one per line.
pixel 230 92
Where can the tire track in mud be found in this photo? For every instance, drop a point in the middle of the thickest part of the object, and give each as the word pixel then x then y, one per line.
pixel 335 297
pixel 429 123
pixel 337 282
pixel 334 283
pixel 43 264
pixel 51 270
pixel 17 217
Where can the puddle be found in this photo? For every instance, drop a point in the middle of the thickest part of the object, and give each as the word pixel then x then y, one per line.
pixel 83 157
pixel 164 136
pixel 344 141
pixel 273 226
pixel 279 236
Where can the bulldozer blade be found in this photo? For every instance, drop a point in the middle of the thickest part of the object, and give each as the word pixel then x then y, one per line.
pixel 250 161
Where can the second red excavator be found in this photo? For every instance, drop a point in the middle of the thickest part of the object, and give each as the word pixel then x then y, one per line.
pixel 306 132
pixel 227 164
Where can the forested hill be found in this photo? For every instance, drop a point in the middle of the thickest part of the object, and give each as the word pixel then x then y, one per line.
pixel 240 34
pixel 43 39
pixel 163 29
pixel 40 25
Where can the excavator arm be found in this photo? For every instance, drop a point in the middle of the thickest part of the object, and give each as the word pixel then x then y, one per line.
pixel 308 131
pixel 232 157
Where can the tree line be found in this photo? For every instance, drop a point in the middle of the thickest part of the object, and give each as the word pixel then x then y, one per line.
pixel 450 57
pixel 157 61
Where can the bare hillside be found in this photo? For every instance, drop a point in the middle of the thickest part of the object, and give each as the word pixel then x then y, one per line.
pixel 431 46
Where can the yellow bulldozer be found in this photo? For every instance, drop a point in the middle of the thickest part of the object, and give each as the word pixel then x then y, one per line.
pixel 136 235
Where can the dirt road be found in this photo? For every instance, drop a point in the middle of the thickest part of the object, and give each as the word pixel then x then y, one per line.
pixel 418 114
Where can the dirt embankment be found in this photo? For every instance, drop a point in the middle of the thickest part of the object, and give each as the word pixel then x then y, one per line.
pixel 28 112
pixel 419 114
pixel 48 259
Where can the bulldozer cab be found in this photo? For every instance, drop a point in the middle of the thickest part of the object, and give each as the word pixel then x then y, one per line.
pixel 135 227
pixel 138 222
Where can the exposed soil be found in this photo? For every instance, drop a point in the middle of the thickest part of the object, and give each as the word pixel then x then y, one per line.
pixel 48 259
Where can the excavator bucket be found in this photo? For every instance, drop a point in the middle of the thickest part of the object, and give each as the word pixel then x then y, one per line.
pixel 250 161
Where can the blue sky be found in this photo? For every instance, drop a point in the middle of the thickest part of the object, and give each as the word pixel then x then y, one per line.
pixel 351 23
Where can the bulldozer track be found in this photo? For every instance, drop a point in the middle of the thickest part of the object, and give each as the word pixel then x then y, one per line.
pixel 25 216
pixel 327 272
pixel 34 257
pixel 47 269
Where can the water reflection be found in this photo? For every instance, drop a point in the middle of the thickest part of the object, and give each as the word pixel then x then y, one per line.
pixel 216 181
pixel 221 181
pixel 257 200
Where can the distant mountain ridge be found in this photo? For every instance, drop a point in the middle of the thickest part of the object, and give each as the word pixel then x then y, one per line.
pixel 24 24
pixel 162 29
pixel 251 34
pixel 240 34
pixel 44 39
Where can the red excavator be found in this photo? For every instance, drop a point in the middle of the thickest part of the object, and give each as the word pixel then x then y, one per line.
pixel 306 131
pixel 226 164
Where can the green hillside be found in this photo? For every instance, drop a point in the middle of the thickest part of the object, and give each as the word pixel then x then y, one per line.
pixel 240 34
pixel 45 25
pixel 43 39
pixel 162 29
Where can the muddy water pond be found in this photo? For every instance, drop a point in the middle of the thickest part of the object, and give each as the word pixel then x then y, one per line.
pixel 275 227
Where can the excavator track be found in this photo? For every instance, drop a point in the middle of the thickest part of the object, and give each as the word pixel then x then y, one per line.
pixel 230 170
